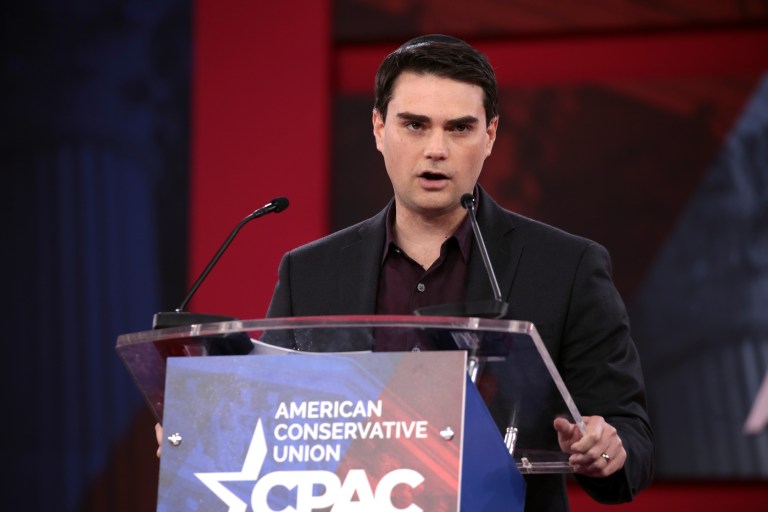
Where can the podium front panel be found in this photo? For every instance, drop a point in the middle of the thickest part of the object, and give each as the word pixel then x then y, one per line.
pixel 309 431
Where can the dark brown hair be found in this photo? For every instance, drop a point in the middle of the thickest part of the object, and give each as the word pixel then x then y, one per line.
pixel 443 56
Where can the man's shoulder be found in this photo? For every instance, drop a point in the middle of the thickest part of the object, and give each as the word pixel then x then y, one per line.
pixel 535 232
pixel 367 229
pixel 539 231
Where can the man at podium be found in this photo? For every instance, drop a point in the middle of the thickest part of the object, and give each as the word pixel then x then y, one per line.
pixel 435 121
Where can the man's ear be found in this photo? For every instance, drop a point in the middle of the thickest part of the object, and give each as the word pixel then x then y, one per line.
pixel 378 127
pixel 490 132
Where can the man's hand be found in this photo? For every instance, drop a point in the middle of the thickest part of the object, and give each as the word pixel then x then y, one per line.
pixel 159 437
pixel 596 453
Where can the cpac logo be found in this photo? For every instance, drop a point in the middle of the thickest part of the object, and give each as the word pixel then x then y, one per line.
pixel 338 495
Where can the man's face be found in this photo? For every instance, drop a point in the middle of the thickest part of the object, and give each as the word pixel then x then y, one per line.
pixel 434 141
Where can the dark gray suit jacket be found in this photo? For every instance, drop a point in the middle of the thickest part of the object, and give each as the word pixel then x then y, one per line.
pixel 560 282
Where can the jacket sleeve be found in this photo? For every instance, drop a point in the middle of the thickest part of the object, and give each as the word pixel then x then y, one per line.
pixel 280 306
pixel 600 366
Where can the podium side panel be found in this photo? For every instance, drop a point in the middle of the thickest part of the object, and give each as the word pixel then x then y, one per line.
pixel 490 480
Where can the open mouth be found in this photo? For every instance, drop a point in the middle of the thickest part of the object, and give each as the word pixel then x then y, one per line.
pixel 433 176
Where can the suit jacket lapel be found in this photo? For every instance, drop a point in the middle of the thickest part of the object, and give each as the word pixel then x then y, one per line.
pixel 359 264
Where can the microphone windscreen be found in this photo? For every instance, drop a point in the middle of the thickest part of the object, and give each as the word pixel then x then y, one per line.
pixel 280 204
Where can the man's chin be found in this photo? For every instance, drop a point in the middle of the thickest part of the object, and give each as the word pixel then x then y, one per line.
pixel 435 207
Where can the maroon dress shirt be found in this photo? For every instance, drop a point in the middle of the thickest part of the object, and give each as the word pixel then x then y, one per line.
pixel 405 285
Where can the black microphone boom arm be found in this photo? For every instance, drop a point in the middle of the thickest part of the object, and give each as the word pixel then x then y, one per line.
pixel 468 202
pixel 276 205
pixel 179 317
pixel 495 308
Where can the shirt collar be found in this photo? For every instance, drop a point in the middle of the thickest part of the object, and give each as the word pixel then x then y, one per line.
pixel 463 233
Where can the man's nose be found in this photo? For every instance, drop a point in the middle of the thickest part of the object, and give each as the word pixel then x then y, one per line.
pixel 436 148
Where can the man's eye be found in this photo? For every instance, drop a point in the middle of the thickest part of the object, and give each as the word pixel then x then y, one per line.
pixel 461 128
pixel 414 126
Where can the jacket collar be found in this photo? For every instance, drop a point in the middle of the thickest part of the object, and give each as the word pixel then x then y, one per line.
pixel 361 258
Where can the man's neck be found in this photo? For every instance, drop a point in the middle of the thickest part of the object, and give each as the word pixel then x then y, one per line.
pixel 421 237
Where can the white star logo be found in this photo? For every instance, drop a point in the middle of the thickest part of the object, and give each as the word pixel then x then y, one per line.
pixel 254 459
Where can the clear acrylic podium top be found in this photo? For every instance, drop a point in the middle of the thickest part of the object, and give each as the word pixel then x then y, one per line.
pixel 507 360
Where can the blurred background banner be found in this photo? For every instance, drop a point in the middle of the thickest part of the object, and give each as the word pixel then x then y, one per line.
pixel 94 158
pixel 135 135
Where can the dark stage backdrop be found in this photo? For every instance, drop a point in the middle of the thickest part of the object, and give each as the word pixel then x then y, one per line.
pixel 94 159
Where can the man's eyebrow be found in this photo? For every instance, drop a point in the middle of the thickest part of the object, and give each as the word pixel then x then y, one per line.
pixel 462 120
pixel 407 116
pixel 418 118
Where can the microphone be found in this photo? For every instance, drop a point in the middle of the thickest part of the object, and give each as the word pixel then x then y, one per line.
pixel 468 202
pixel 180 317
pixel 495 308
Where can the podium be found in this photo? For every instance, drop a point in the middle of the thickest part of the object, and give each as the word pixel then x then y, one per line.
pixel 307 414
